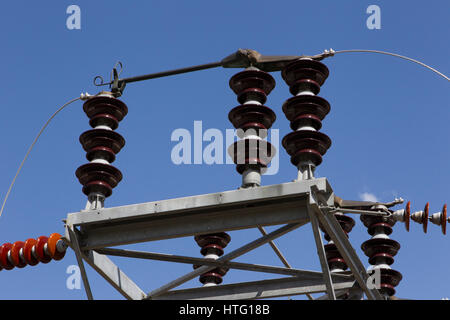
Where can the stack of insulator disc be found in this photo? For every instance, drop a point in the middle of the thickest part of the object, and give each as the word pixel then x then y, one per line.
pixel 31 252
pixel 252 119
pixel 212 246
pixel 381 251
pixel 336 262
pixel 102 144
pixel 305 111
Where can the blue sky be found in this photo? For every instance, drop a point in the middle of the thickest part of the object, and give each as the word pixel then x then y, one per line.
pixel 388 120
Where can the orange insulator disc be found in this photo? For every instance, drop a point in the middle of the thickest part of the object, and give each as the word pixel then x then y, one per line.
pixel 39 249
pixel 51 246
pixel 4 249
pixel 27 252
pixel 407 217
pixel 15 254
pixel 444 219
pixel 425 214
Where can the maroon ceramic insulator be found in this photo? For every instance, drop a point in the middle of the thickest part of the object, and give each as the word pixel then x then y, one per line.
pixel 334 258
pixel 252 85
pixel 306 146
pixel 248 153
pixel 305 75
pixel 213 244
pixel 98 178
pixel 101 145
pixel 104 110
pixel 305 111
pixel 252 118
pixel 381 251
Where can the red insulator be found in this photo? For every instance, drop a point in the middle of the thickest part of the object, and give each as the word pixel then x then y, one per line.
pixel 305 111
pixel 101 144
pixel 15 255
pixel 334 258
pixel 213 245
pixel 28 252
pixel 52 247
pixel 381 250
pixel 4 261
pixel 40 251
pixel 252 119
pixel 407 215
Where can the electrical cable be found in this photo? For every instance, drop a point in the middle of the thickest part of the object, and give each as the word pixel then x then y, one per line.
pixel 331 52
pixel 82 97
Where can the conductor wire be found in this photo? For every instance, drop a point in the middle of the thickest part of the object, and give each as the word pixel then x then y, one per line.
pixel 331 52
pixel 82 97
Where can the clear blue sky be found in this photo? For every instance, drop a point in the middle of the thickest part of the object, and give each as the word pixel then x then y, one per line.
pixel 388 120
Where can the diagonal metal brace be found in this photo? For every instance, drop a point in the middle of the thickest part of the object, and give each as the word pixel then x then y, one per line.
pixel 334 230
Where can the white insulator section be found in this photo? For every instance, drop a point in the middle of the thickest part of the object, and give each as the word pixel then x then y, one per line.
pixel 306 128
pixel 99 160
pixel 305 171
pixel 253 102
pixel 105 127
pixel 305 93
pixel 251 177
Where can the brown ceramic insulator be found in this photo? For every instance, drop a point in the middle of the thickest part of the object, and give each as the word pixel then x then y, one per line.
pixel 254 153
pixel 98 178
pixel 306 110
pixel 444 219
pixel 347 223
pixel 306 146
pixel 389 280
pixel 334 258
pixel 102 144
pixel 103 110
pixel 252 85
pixel 375 246
pixel 252 116
pixel 213 243
pixel 303 74
pixel 213 276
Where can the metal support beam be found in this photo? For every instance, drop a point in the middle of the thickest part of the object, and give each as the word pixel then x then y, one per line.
pixel 78 254
pixel 257 289
pixel 115 277
pixel 322 257
pixel 334 230
pixel 210 262
pixel 230 256
pixel 231 210
pixel 105 268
